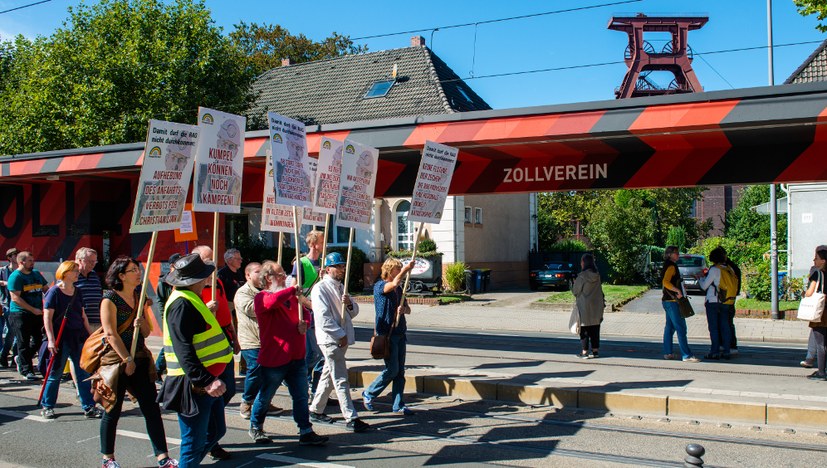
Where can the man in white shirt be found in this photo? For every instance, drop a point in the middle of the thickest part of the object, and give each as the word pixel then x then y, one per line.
pixel 334 333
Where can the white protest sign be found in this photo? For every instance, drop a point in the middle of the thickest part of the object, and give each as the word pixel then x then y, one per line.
pixel 288 145
pixel 358 180
pixel 274 217
pixel 432 181
pixel 165 176
pixel 219 162
pixel 328 178
pixel 311 216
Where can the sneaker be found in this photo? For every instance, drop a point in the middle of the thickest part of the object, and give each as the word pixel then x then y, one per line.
pixel 691 359
pixel 404 411
pixel 30 376
pixel 807 364
pixel 357 425
pixel 367 401
pixel 94 413
pixel 669 357
pixel 594 355
pixel 245 409
pixel 168 463
pixel 259 436
pixel 713 357
pixel 218 454
pixel 321 418
pixel 817 376
pixel 110 463
pixel 583 355
pixel 311 438
pixel 47 413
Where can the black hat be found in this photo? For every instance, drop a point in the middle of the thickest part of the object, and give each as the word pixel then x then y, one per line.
pixel 12 251
pixel 188 271
pixel 174 257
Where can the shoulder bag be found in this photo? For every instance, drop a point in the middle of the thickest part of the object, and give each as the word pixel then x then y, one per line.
pixel 380 345
pixel 97 345
pixel 812 308
pixel 684 306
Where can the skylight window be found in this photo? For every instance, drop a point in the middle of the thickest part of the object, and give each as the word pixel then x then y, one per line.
pixel 379 89
pixel 464 94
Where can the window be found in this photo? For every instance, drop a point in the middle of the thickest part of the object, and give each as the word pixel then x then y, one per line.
pixel 477 215
pixel 404 228
pixel 468 214
pixel 379 89
pixel 464 94
pixel 337 235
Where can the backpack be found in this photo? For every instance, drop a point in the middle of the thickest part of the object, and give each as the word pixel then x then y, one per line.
pixel 728 286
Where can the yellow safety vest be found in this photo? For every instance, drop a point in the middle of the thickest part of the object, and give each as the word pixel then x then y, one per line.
pixel 211 346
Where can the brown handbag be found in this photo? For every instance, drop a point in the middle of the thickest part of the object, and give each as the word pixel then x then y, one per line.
pixel 96 346
pixel 380 345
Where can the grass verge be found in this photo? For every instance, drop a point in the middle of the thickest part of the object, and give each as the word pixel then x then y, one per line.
pixel 744 303
pixel 614 293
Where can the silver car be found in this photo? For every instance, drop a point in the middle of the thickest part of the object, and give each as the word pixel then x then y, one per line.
pixel 692 268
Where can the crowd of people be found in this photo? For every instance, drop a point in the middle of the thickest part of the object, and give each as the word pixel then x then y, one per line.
pixel 296 334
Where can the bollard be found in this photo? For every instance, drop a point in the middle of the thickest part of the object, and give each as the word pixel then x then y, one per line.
pixel 695 452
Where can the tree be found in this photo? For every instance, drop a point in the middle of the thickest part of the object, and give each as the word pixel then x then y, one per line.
pixel 266 45
pixel 111 68
pixel 556 212
pixel 744 225
pixel 810 7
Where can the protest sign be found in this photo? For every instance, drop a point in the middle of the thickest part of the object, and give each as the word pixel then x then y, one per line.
pixel 274 217
pixel 219 162
pixel 187 230
pixel 288 145
pixel 432 181
pixel 165 176
pixel 328 177
pixel 356 189
pixel 311 217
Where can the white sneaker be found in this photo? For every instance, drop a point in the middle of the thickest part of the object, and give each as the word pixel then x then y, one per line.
pixel 245 409
pixel 691 359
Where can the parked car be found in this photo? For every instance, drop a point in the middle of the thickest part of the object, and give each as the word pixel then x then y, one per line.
pixel 692 268
pixel 557 275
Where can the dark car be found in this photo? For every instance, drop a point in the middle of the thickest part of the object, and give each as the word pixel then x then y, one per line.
pixel 557 275
pixel 692 268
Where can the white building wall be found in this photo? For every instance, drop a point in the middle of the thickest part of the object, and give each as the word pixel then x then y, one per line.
pixel 808 225
pixel 447 233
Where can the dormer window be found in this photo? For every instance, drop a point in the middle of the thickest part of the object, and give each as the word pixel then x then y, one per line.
pixel 379 89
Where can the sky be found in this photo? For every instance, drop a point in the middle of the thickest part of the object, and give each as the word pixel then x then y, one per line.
pixel 559 58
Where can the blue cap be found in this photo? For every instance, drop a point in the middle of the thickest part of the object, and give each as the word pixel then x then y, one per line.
pixel 334 258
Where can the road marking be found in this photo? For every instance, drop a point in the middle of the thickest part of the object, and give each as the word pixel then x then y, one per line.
pixel 140 435
pixel 21 415
pixel 87 440
pixel 299 461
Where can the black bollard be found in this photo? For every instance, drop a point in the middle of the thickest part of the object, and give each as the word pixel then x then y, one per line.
pixel 695 452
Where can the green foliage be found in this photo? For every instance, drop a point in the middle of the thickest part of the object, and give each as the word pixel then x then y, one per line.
pixel 356 267
pixel 265 45
pixel 742 253
pixel 426 245
pixel 568 245
pixel 621 235
pixel 813 7
pixel 747 303
pixel 455 275
pixel 614 294
pixel 757 280
pixel 656 253
pixel 677 236
pixel 745 225
pixel 558 211
pixel 792 289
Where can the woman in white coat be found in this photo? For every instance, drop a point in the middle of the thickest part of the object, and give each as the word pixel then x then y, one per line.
pixel 589 304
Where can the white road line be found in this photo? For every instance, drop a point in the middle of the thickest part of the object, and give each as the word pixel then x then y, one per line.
pixel 299 461
pixel 21 415
pixel 87 440
pixel 141 435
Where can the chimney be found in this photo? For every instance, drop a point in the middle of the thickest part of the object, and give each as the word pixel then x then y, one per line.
pixel 417 41
pixel 285 62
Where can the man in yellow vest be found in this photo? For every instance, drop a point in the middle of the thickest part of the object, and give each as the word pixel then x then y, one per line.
pixel 197 352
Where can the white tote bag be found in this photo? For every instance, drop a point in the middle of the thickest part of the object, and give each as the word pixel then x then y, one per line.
pixel 811 308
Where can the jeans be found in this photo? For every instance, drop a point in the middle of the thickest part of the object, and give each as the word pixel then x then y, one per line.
pixel 70 348
pixel 26 327
pixel 313 359
pixel 811 347
pixel 196 440
pixel 143 389
pixel 252 381
pixel 7 346
pixel 394 372
pixel 294 375
pixel 821 351
pixel 675 323
pixel 733 343
pixel 228 377
pixel 717 319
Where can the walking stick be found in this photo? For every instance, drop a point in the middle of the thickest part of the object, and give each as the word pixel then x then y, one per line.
pixel 52 360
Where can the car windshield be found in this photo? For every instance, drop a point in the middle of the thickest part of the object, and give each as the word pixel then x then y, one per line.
pixel 690 261
pixel 554 266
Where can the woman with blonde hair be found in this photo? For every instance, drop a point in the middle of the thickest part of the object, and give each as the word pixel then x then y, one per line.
pixel 390 320
pixel 65 302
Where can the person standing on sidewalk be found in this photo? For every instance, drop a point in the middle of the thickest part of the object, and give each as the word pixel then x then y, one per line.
pixel 717 313
pixel 590 303
pixel 334 333
pixel 7 344
pixel 387 294
pixel 281 358
pixel 819 329
pixel 26 287
pixel 672 291
pixel 810 359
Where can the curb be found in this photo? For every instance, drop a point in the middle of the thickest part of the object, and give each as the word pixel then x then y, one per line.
pixel 770 414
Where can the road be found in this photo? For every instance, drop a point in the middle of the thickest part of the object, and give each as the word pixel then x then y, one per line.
pixel 444 431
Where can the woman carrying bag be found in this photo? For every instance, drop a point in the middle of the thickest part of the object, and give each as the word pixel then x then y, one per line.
pixel 819 328
pixel 127 373
pixel 672 291
pixel 64 302
pixel 589 304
